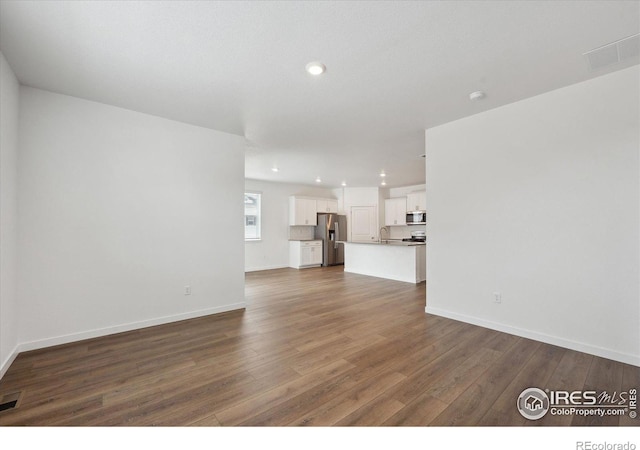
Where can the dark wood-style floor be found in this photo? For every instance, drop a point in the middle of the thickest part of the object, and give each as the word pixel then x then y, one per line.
pixel 315 347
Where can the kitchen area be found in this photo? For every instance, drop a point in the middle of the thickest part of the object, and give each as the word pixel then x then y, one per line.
pixel 387 240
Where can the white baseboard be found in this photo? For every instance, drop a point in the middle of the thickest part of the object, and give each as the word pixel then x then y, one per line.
pixel 258 269
pixel 529 334
pixel 4 366
pixel 65 339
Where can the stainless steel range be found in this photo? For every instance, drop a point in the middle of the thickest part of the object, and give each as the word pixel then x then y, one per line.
pixel 416 236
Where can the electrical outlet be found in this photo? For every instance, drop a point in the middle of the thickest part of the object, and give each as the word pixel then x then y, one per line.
pixel 497 297
pixel 187 290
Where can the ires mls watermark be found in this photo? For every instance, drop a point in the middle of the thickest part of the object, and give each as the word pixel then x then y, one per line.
pixel 534 403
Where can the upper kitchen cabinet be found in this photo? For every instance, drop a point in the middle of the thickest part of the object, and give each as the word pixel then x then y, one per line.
pixel 327 206
pixel 302 211
pixel 395 211
pixel 417 201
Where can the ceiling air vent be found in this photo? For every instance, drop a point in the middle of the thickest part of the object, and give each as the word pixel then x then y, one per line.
pixel 614 52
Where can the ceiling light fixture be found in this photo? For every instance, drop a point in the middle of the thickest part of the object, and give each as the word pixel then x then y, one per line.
pixel 318 180
pixel 384 183
pixel 477 95
pixel 344 183
pixel 316 68
pixel 382 174
pixel 274 169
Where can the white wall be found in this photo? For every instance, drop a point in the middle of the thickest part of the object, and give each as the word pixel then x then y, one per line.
pixel 272 251
pixel 404 190
pixel 539 200
pixel 9 90
pixel 358 196
pixel 118 212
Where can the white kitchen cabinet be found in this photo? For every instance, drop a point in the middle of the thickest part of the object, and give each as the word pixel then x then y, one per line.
pixel 302 211
pixel 417 201
pixel 395 211
pixel 303 254
pixel 325 205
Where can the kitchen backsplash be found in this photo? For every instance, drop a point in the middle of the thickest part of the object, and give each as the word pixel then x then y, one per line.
pixel 301 233
pixel 402 232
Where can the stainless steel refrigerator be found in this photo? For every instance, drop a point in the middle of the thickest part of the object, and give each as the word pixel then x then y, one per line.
pixel 332 228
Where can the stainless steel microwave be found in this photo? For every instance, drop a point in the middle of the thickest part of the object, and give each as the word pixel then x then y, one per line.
pixel 416 218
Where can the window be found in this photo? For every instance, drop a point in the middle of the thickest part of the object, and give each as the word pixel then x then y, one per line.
pixel 252 216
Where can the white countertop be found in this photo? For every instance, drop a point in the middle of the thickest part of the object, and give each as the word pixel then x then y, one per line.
pixel 395 243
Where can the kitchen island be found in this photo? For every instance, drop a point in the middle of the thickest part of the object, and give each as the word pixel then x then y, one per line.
pixel 395 260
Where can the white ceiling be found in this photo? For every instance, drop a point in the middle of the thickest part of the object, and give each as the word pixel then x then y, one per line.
pixel 393 69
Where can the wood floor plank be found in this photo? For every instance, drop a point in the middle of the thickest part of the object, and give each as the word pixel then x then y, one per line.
pixel 604 375
pixel 448 387
pixel 339 407
pixel 209 421
pixel 287 411
pixel 419 412
pixel 373 414
pixel 342 349
pixel 256 405
pixel 570 375
pixel 314 347
pixel 417 390
pixel 535 373
pixel 114 414
pixel 51 416
pixel 178 408
pixel 475 402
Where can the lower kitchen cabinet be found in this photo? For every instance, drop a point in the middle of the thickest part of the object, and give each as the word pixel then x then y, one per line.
pixel 303 254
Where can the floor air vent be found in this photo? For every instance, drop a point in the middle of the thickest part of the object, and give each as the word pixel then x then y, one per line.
pixel 10 401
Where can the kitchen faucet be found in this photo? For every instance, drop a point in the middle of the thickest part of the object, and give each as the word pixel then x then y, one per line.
pixel 380 234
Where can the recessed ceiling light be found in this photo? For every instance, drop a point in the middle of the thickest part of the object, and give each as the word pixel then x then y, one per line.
pixel 477 95
pixel 382 174
pixel 315 68
pixel 384 183
pixel 344 183
pixel 274 169
pixel 318 180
